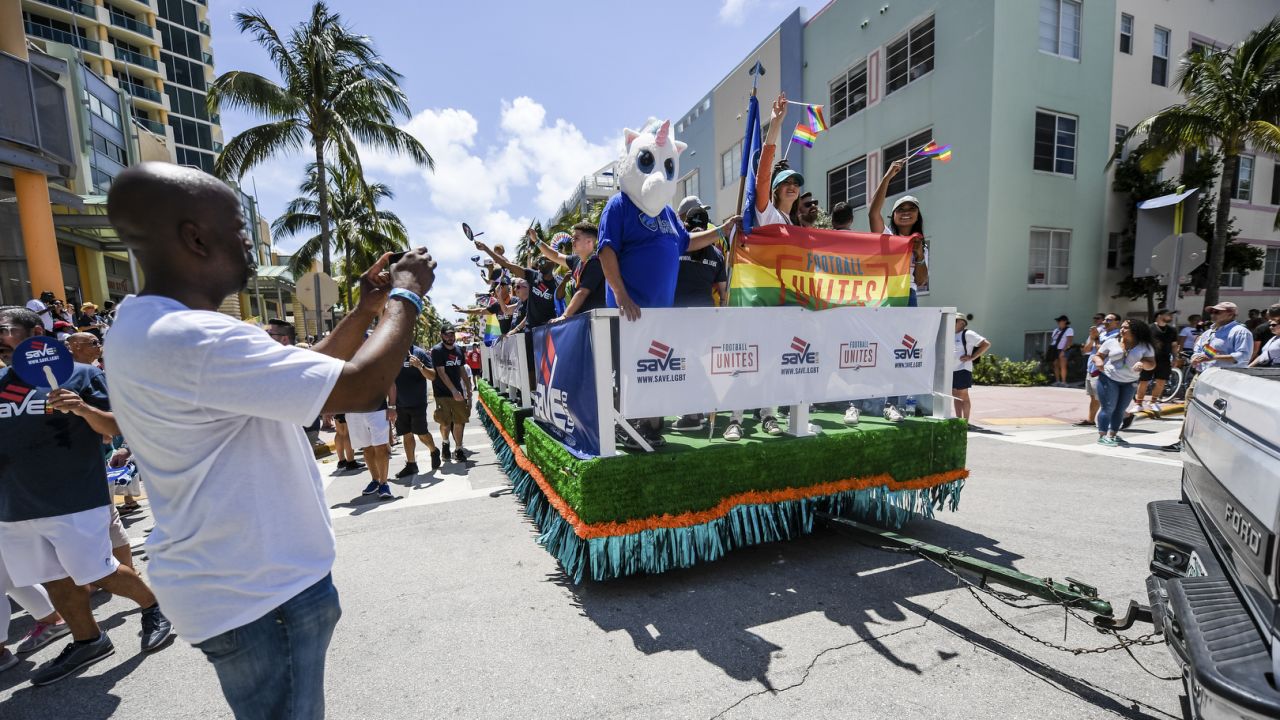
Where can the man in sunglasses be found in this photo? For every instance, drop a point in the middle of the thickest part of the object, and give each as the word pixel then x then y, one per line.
pixel 1227 344
pixel 807 210
pixel 85 348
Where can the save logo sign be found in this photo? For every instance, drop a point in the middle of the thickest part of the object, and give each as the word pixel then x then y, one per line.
pixel 564 396
pixel 909 355
pixel 801 360
pixel 661 366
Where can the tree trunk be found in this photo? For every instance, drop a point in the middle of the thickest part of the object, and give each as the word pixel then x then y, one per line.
pixel 1218 248
pixel 322 182
pixel 346 273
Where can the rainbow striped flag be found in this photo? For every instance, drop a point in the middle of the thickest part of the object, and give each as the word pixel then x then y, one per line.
pixel 936 152
pixel 818 269
pixel 816 121
pixel 492 331
pixel 1210 352
pixel 804 135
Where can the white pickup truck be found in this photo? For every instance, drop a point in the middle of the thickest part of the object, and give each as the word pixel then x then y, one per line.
pixel 1213 587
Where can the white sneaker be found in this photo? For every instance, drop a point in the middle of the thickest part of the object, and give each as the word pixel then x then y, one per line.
pixel 733 433
pixel 891 414
pixel 852 415
pixel 1156 408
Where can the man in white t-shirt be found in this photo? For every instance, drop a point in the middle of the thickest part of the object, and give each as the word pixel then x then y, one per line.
pixel 43 307
pixel 969 347
pixel 213 408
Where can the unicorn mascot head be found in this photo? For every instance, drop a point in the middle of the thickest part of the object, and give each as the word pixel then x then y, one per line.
pixel 648 169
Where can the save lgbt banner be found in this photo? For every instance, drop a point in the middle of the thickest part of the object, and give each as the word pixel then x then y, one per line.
pixel 818 269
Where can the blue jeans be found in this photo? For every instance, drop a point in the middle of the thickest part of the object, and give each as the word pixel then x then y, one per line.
pixel 273 668
pixel 913 300
pixel 1113 398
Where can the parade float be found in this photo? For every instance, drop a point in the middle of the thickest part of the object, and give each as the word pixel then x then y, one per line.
pixel 818 319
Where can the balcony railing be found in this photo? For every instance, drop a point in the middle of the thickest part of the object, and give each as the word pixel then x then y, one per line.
pixel 152 125
pixel 48 33
pixel 138 59
pixel 85 9
pixel 143 92
pixel 130 24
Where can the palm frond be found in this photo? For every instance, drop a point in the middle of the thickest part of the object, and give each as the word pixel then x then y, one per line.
pixel 255 145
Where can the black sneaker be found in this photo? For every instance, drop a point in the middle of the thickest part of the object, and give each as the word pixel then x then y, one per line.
pixel 444 451
pixel 410 469
pixel 73 657
pixel 435 459
pixel 156 629
pixel 460 456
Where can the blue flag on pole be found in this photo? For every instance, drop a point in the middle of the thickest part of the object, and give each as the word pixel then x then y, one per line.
pixel 751 140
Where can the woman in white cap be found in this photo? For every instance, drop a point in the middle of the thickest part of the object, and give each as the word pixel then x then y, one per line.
pixel 905 220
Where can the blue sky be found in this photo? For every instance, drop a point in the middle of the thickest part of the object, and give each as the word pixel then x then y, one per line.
pixel 516 101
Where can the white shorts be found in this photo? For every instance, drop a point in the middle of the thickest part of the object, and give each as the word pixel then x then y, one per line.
pixel 76 546
pixel 368 429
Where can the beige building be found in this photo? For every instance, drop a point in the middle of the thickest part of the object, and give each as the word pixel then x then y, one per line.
pixel 1151 37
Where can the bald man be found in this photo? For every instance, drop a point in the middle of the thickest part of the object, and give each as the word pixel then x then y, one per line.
pixel 213 409
pixel 85 348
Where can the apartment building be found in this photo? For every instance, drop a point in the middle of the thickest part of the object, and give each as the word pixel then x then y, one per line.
pixel 1029 94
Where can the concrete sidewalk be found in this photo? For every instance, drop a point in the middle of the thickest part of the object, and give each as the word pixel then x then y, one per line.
pixel 1043 405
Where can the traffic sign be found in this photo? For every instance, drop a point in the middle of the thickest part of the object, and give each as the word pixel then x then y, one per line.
pixel 306 287
pixel 1191 254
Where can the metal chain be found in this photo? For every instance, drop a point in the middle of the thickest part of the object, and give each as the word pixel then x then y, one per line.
pixel 1012 600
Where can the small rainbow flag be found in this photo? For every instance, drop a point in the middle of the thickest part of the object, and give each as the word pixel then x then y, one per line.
pixel 936 151
pixel 492 331
pixel 1210 351
pixel 816 121
pixel 804 135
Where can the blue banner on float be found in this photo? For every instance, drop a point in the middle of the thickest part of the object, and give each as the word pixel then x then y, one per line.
pixel 564 397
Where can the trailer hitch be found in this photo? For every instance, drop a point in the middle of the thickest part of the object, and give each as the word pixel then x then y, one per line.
pixel 1071 593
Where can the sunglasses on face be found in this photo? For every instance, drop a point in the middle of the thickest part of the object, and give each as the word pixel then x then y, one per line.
pixel 811 204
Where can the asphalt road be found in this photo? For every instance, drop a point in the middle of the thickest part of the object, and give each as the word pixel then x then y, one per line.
pixel 452 610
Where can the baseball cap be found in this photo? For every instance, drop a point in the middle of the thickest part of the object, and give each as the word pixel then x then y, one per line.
pixel 690 203
pixel 446 328
pixel 905 199
pixel 1225 306
pixel 1166 311
pixel 1060 318
pixel 786 175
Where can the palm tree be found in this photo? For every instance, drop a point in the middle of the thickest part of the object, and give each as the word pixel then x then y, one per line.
pixel 1232 102
pixel 336 91
pixel 362 232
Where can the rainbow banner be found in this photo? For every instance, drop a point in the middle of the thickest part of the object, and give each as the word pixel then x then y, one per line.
pixel 819 269
pixel 816 120
pixel 492 331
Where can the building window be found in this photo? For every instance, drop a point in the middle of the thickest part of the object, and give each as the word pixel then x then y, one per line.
pixel 1232 279
pixel 109 149
pixel 731 165
pixel 1126 34
pixel 1121 131
pixel 1050 257
pixel 1034 344
pixel 1190 159
pixel 1198 47
pixel 689 185
pixel 1055 145
pixel 849 93
pixel 1113 251
pixel 1244 179
pixel 1060 28
pixel 1160 58
pixel 1275 183
pixel 848 184
pixel 1271 269
pixel 918 171
pixel 910 57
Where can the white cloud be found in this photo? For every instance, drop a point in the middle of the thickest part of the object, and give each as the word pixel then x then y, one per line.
pixel 733 12
pixel 473 183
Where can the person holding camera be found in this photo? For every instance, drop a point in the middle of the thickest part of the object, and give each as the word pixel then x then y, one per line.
pixel 213 409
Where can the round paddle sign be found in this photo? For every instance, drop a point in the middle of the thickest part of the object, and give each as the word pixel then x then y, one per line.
pixel 43 362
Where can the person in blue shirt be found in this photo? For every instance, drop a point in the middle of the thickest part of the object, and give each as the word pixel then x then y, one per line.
pixel 1227 344
pixel 640 254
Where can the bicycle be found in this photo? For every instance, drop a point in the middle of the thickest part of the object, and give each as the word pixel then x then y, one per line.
pixel 1179 378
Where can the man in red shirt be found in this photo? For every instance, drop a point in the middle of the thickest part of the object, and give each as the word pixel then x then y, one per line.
pixel 473 358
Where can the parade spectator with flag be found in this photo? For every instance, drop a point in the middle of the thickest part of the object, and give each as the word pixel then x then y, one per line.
pixel 905 220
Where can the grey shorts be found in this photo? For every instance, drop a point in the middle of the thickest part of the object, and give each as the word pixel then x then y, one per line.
pixel 1091 386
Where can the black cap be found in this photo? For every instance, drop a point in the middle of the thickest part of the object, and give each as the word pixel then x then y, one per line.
pixel 446 328
pixel 1166 311
pixel 1060 318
